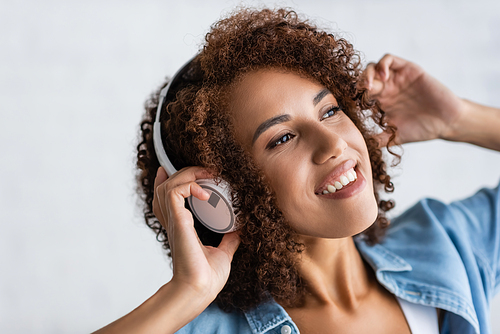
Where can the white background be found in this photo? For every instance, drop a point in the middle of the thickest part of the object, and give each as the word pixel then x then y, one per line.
pixel 74 251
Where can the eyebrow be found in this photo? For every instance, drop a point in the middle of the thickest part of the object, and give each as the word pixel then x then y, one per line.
pixel 317 99
pixel 267 124
pixel 285 118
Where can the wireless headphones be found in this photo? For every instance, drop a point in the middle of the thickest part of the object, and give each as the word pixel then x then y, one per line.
pixel 217 214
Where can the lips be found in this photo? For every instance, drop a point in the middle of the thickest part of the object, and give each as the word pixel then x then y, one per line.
pixel 337 178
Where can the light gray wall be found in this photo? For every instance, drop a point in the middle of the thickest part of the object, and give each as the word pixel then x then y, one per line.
pixel 74 252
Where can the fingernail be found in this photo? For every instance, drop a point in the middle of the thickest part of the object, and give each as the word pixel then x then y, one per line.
pixel 382 75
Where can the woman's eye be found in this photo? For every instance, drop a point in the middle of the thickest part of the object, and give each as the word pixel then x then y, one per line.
pixel 331 112
pixel 281 140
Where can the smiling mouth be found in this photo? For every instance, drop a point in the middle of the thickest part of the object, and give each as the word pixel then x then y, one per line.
pixel 341 182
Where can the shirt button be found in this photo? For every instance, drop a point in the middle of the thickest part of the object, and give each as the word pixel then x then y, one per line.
pixel 286 329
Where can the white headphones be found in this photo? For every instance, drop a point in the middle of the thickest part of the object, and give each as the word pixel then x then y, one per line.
pixel 217 214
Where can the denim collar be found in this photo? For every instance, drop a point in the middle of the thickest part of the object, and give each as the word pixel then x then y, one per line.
pixel 270 317
pixel 392 271
pixel 434 288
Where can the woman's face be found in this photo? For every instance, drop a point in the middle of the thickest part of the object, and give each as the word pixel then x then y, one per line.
pixel 307 148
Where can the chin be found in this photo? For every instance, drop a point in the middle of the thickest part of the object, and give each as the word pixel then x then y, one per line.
pixel 371 217
pixel 352 219
pixel 341 229
pixel 363 220
pixel 363 228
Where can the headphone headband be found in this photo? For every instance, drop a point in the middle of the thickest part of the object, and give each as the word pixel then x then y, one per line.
pixel 217 213
pixel 157 141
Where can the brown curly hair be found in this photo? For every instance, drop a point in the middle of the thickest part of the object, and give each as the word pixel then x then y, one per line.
pixel 197 130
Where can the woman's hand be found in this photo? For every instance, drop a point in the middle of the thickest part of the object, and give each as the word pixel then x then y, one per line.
pixel 202 269
pixel 417 104
pixel 200 272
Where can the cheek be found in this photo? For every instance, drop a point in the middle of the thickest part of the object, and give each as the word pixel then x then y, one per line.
pixel 358 143
pixel 288 179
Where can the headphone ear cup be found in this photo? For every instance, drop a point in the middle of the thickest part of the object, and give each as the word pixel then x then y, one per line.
pixel 217 214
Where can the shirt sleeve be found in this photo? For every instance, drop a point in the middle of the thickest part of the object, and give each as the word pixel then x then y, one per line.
pixel 482 213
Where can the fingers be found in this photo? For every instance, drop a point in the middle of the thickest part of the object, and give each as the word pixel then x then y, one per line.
pixel 383 139
pixel 230 243
pixel 383 66
pixel 189 174
pixel 170 192
pixel 181 176
pixel 382 69
pixel 368 77
pixel 389 62
pixel 371 80
pixel 168 202
pixel 174 197
pixel 377 75
pixel 161 176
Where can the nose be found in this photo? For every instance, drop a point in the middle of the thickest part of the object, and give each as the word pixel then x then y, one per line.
pixel 326 145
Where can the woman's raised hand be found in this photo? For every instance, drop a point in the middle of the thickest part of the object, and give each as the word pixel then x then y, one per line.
pixel 202 269
pixel 200 272
pixel 420 106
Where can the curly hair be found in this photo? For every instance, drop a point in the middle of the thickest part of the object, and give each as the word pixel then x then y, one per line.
pixel 198 131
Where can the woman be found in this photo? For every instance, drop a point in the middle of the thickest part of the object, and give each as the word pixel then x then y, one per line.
pixel 279 109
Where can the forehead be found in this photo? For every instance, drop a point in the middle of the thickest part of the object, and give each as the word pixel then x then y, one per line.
pixel 266 93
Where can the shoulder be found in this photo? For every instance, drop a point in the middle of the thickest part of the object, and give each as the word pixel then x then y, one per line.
pixel 215 320
pixel 267 317
pixel 475 218
pixel 462 236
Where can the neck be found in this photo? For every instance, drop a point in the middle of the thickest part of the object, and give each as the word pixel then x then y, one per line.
pixel 335 273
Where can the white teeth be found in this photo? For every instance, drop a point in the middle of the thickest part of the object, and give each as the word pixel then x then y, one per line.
pixel 345 179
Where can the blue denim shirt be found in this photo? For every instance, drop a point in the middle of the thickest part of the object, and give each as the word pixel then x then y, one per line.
pixel 444 256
